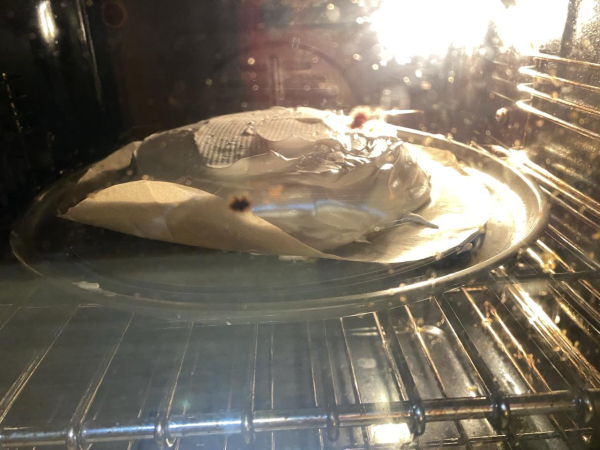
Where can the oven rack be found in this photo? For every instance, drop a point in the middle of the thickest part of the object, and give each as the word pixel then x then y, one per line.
pixel 505 324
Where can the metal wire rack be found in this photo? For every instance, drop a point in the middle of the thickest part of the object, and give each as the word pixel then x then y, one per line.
pixel 509 360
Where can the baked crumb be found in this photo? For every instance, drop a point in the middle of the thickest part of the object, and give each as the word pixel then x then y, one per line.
pixel 360 118
pixel 240 204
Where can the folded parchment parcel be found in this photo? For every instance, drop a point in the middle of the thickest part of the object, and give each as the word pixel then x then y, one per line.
pixel 303 170
pixel 293 182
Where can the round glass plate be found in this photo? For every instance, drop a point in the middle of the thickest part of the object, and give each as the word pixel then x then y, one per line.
pixel 188 283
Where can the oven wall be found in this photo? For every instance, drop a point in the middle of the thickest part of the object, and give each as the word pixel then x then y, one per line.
pixel 58 110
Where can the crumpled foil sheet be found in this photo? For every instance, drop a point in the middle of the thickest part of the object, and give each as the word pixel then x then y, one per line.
pixel 303 170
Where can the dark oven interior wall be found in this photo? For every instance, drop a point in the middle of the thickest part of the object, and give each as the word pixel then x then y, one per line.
pixel 56 107
pixel 170 60
pixel 180 62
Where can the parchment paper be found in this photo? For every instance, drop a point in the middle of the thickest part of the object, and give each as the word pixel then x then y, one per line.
pixel 106 172
pixel 165 211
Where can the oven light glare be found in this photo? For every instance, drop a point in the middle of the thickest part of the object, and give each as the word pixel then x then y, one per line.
pixel 587 12
pixel 46 19
pixel 391 433
pixel 518 157
pixel 426 28
pixel 516 388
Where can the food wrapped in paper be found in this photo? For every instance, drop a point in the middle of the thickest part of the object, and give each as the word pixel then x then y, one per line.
pixel 261 182
pixel 317 175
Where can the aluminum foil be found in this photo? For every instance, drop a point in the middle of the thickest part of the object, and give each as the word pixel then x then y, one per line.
pixel 303 170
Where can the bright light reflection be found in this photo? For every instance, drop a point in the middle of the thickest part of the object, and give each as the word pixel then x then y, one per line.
pixel 518 157
pixel 391 433
pixel 516 389
pixel 587 11
pixel 46 19
pixel 432 330
pixel 427 27
pixel 407 28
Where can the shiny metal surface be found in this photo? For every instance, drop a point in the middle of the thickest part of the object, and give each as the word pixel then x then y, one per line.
pixel 268 421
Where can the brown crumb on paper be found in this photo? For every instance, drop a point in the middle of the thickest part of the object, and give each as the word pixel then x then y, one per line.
pixel 240 204
pixel 360 118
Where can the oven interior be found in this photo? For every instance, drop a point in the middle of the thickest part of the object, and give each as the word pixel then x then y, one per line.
pixel 507 360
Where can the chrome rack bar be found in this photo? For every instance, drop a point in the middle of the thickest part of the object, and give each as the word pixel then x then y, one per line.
pixel 549 331
pixel 526 87
pixel 144 405
pixel 329 396
pixel 584 414
pixel 586 326
pixel 500 418
pixel 355 388
pixel 563 123
pixel 560 237
pixel 161 432
pixel 19 384
pixel 333 422
pixel 509 355
pixel 73 432
pixel 438 378
pixel 393 349
pixel 232 373
pixel 582 303
pixel 355 415
pixel 272 377
pixel 563 370
pixel 557 81
pixel 312 358
pixel 482 440
pixel 553 182
pixel 17 306
pixel 514 278
pixel 563 204
pixel 521 350
pixel 561 60
pixel 249 391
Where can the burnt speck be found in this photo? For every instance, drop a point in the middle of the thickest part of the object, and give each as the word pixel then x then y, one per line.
pixel 360 118
pixel 240 204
